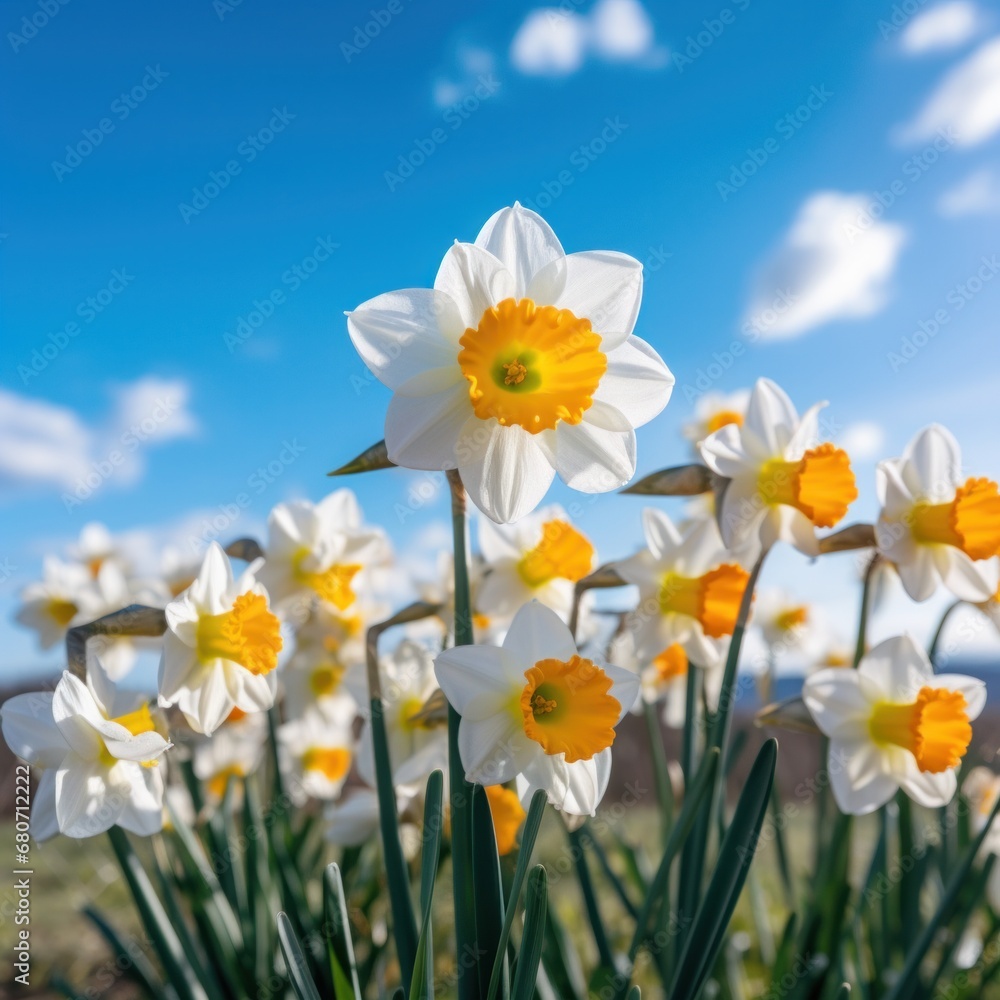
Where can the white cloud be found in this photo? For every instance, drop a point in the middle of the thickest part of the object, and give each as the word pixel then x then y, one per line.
pixel 835 263
pixel 941 28
pixel 977 194
pixel 556 41
pixel 966 104
pixel 474 67
pixel 45 446
pixel 863 440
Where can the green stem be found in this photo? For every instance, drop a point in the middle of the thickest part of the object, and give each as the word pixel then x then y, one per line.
pixel 866 588
pixel 460 791
pixel 932 649
pixel 578 843
pixel 661 774
pixel 690 724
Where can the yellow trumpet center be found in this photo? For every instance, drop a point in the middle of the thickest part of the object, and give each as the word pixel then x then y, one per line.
pixel 62 612
pixel 332 762
pixel 217 783
pixel 139 721
pixel 713 599
pixel 671 663
pixel 721 419
pixel 332 585
pixel 248 634
pixel 567 709
pixel 325 679
pixel 508 815
pixel 970 522
pixel 563 553
pixel 531 365
pixel 820 484
pixel 935 728
pixel 791 618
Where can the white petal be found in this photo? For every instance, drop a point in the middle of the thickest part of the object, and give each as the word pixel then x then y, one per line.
pixel 31 731
pixel 210 701
pixel 211 587
pixel 786 524
pixel 598 454
pixel 770 418
pixel 702 548
pixel 968 579
pixel 637 382
pixel 512 475
pixel 743 511
pixel 662 536
pixel 77 716
pixel 919 574
pixel 425 432
pixel 466 672
pixel 602 286
pixel 523 241
pixel 858 777
pixel 936 460
pixel 44 821
pixel 143 811
pixel 835 699
pixel 898 667
pixel 973 689
pixel 178 663
pixel 624 686
pixel 575 788
pixel 475 280
pixel 498 541
pixel 806 435
pixel 256 691
pixel 493 750
pixel 86 804
pixel 536 633
pixel 926 789
pixel 723 452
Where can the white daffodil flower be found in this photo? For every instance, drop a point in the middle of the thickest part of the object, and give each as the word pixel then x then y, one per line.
pixel 95 547
pixel 415 747
pixel 893 723
pixel 235 750
pixel 534 708
pixel 316 752
pixel 518 364
pixel 540 557
pixel 936 526
pixel 354 819
pixel 317 551
pixel 982 787
pixel 221 646
pixel 62 598
pixel 713 411
pixel 97 749
pixel 690 588
pixel 783 621
pixel 782 485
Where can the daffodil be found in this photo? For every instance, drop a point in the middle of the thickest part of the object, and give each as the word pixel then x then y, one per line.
pixel 62 598
pixel 95 547
pixel 782 485
pixel 416 747
pixel 784 621
pixel 540 557
pixel 715 410
pixel 893 723
pixel 235 750
pixel 982 788
pixel 319 551
pixel 534 708
pixel 316 752
pixel 690 588
pixel 508 816
pixel 97 749
pixel 221 646
pixel 936 526
pixel 518 364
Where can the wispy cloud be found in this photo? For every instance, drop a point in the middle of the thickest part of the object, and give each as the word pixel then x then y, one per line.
pixel 863 440
pixel 473 65
pixel 966 103
pixel 555 41
pixel 977 194
pixel 45 446
pixel 943 27
pixel 835 262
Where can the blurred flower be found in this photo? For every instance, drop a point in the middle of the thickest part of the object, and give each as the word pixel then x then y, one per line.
pixel 316 752
pixel 893 724
pixel 97 748
pixel 782 486
pixel 713 411
pixel 415 747
pixel 498 370
pixel 352 821
pixel 535 710
pixel 442 592
pixel 690 589
pixel 782 620
pixel 508 815
pixel 982 787
pixel 318 551
pixel 540 557
pixel 235 750
pixel 935 527
pixel 63 597
pixel 220 647
pixel 94 547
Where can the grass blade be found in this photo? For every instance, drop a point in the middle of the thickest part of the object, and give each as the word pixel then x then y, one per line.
pixel 422 981
pixel 534 932
pixel 298 968
pixel 340 947
pixel 489 891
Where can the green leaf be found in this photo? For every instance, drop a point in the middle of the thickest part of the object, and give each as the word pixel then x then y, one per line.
pixel 735 854
pixel 844 992
pixel 375 457
pixel 131 960
pixel 340 946
pixel 561 960
pixel 634 993
pixel 528 834
pixel 298 967
pixel 577 842
pixel 422 980
pixel 489 890
pixel 158 926
pixel 531 940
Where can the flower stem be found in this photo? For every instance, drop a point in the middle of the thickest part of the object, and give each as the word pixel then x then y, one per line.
pixel 932 649
pixel 866 590
pixel 661 774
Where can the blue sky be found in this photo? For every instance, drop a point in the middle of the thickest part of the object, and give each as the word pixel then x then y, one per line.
pixel 176 165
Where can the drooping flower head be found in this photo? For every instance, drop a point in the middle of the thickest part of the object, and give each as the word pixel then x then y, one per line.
pixel 893 723
pixel 690 588
pixel 98 750
pixel 782 483
pixel 221 645
pixel 534 709
pixel 518 364
pixel 936 525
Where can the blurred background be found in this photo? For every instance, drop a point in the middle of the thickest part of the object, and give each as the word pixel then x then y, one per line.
pixel 196 191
